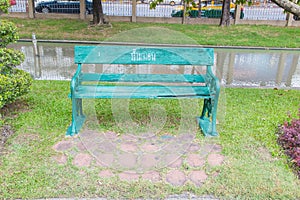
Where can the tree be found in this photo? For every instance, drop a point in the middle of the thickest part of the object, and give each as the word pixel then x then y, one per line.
pixel 289 6
pixel 98 16
pixel 225 18
pixel 199 8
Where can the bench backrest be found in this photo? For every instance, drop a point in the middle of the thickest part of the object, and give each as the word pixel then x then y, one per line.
pixel 141 55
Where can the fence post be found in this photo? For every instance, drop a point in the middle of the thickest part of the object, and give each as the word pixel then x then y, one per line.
pixel 82 10
pixel 289 19
pixel 133 17
pixel 184 13
pixel 31 9
pixel 237 14
pixel 37 66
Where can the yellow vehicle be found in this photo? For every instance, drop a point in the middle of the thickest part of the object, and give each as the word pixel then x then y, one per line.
pixel 209 9
pixel 215 5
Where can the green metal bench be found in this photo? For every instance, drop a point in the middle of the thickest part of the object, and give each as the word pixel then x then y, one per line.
pixel 204 86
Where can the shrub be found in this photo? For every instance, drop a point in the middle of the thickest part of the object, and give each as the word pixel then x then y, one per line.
pixel 13 82
pixel 4 5
pixel 14 85
pixel 8 33
pixel 289 139
pixel 9 58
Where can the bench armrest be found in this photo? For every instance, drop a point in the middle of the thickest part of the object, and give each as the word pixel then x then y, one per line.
pixel 75 79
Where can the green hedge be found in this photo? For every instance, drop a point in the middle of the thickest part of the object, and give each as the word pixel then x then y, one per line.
pixel 13 86
pixel 9 58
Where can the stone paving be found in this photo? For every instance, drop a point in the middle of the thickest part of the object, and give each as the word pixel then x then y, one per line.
pixel 175 160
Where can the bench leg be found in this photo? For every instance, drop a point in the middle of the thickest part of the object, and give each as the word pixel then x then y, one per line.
pixel 77 117
pixel 208 118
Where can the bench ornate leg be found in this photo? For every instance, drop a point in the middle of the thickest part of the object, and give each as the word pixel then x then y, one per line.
pixel 79 106
pixel 77 117
pixel 214 117
pixel 207 120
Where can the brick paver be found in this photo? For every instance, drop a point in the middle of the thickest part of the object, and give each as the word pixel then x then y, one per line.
pixel 215 159
pixel 106 173
pixel 61 159
pixel 128 146
pixel 152 176
pixel 195 160
pixel 82 160
pixel 198 177
pixel 150 147
pixel 128 176
pixel 63 145
pixel 173 160
pixel 105 159
pixel 148 161
pixel 127 160
pixel 176 177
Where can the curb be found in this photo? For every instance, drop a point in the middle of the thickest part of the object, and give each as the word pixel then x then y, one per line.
pixel 162 45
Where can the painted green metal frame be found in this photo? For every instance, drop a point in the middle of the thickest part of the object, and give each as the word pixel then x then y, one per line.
pixel 141 55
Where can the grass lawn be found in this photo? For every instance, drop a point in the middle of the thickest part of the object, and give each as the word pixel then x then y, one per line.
pixel 235 35
pixel 255 167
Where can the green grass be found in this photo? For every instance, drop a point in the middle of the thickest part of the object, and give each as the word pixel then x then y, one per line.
pixel 235 35
pixel 255 167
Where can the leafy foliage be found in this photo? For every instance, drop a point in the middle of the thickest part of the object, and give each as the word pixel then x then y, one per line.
pixel 4 5
pixel 243 2
pixel 8 33
pixel 13 86
pixel 13 82
pixel 9 58
pixel 289 139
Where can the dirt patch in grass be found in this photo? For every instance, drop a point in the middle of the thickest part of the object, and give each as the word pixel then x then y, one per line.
pixel 264 155
pixel 6 130
pixel 12 110
pixel 26 139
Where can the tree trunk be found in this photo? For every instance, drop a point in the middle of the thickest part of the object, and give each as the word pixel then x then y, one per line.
pixel 199 8
pixel 288 6
pixel 98 16
pixel 225 19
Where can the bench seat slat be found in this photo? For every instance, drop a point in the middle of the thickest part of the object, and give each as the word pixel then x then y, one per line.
pixel 144 91
pixel 171 78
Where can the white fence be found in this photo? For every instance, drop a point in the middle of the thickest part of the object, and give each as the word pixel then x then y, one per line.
pixel 269 13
